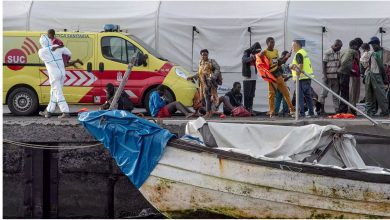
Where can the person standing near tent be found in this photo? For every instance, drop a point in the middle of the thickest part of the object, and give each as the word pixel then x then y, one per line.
pixel 56 71
pixel 249 73
pixel 330 66
pixel 302 63
pixel 376 80
pixel 354 92
pixel 275 69
pixel 347 58
pixel 210 77
pixel 279 96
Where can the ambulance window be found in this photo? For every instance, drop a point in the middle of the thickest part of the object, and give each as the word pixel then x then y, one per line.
pixel 114 48
pixel 131 50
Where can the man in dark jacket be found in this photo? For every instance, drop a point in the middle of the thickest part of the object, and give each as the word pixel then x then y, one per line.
pixel 233 99
pixel 249 73
pixel 347 57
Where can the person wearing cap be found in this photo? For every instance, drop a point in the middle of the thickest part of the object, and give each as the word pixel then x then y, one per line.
pixel 275 69
pixel 249 73
pixel 376 80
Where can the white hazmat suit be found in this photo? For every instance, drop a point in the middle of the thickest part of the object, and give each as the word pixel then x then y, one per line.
pixel 56 70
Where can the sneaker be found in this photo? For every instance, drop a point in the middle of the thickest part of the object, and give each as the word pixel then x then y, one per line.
pixel 45 114
pixel 64 115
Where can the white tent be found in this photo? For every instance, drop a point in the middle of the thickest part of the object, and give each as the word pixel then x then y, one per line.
pixel 221 26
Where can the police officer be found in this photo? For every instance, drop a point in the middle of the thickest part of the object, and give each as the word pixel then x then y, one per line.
pixel 302 61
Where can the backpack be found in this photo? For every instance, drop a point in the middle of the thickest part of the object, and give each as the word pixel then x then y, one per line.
pixel 355 68
pixel 218 78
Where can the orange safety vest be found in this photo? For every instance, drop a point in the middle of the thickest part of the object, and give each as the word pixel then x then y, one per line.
pixel 262 66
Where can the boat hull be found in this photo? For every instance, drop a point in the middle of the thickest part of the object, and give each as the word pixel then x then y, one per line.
pixel 185 182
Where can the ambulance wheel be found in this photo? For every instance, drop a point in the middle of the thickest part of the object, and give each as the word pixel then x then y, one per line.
pixel 168 95
pixel 23 101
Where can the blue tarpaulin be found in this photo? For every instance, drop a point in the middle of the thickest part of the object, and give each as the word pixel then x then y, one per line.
pixel 135 143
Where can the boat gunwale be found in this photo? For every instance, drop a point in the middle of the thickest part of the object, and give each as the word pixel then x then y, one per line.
pixel 303 168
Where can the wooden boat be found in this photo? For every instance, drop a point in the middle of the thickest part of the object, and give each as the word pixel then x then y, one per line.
pixel 191 179
pixel 301 172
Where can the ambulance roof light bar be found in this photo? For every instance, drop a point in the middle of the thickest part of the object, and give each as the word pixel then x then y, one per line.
pixel 111 28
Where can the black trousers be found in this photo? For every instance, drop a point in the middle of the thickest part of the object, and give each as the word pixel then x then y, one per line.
pixel 249 93
pixel 344 92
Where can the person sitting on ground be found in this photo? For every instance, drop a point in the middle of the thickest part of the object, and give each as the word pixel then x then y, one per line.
pixel 158 107
pixel 124 101
pixel 232 99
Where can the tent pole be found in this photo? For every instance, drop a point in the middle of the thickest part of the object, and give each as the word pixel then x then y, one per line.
pixel 381 31
pixel 157 35
pixel 285 24
pixel 193 39
pixel 250 36
pixel 29 16
pixel 322 43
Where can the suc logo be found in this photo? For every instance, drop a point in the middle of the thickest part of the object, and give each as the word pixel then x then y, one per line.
pixel 18 56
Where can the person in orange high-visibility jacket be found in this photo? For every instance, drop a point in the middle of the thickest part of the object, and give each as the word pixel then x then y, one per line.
pixel 268 65
pixel 262 66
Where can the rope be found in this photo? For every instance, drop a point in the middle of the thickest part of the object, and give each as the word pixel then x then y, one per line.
pixel 48 147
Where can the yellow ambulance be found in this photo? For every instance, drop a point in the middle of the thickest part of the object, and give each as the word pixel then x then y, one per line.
pixel 105 56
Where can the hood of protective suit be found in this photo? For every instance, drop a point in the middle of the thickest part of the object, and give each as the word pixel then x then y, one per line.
pixel 45 41
pixel 45 53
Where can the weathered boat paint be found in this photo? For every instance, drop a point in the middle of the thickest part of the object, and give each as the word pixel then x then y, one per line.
pixel 185 181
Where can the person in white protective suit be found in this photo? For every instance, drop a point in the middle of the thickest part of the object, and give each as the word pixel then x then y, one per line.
pixel 56 71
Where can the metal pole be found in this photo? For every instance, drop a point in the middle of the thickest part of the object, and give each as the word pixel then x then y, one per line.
pixel 123 83
pixel 381 31
pixel 297 96
pixel 322 44
pixel 343 100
